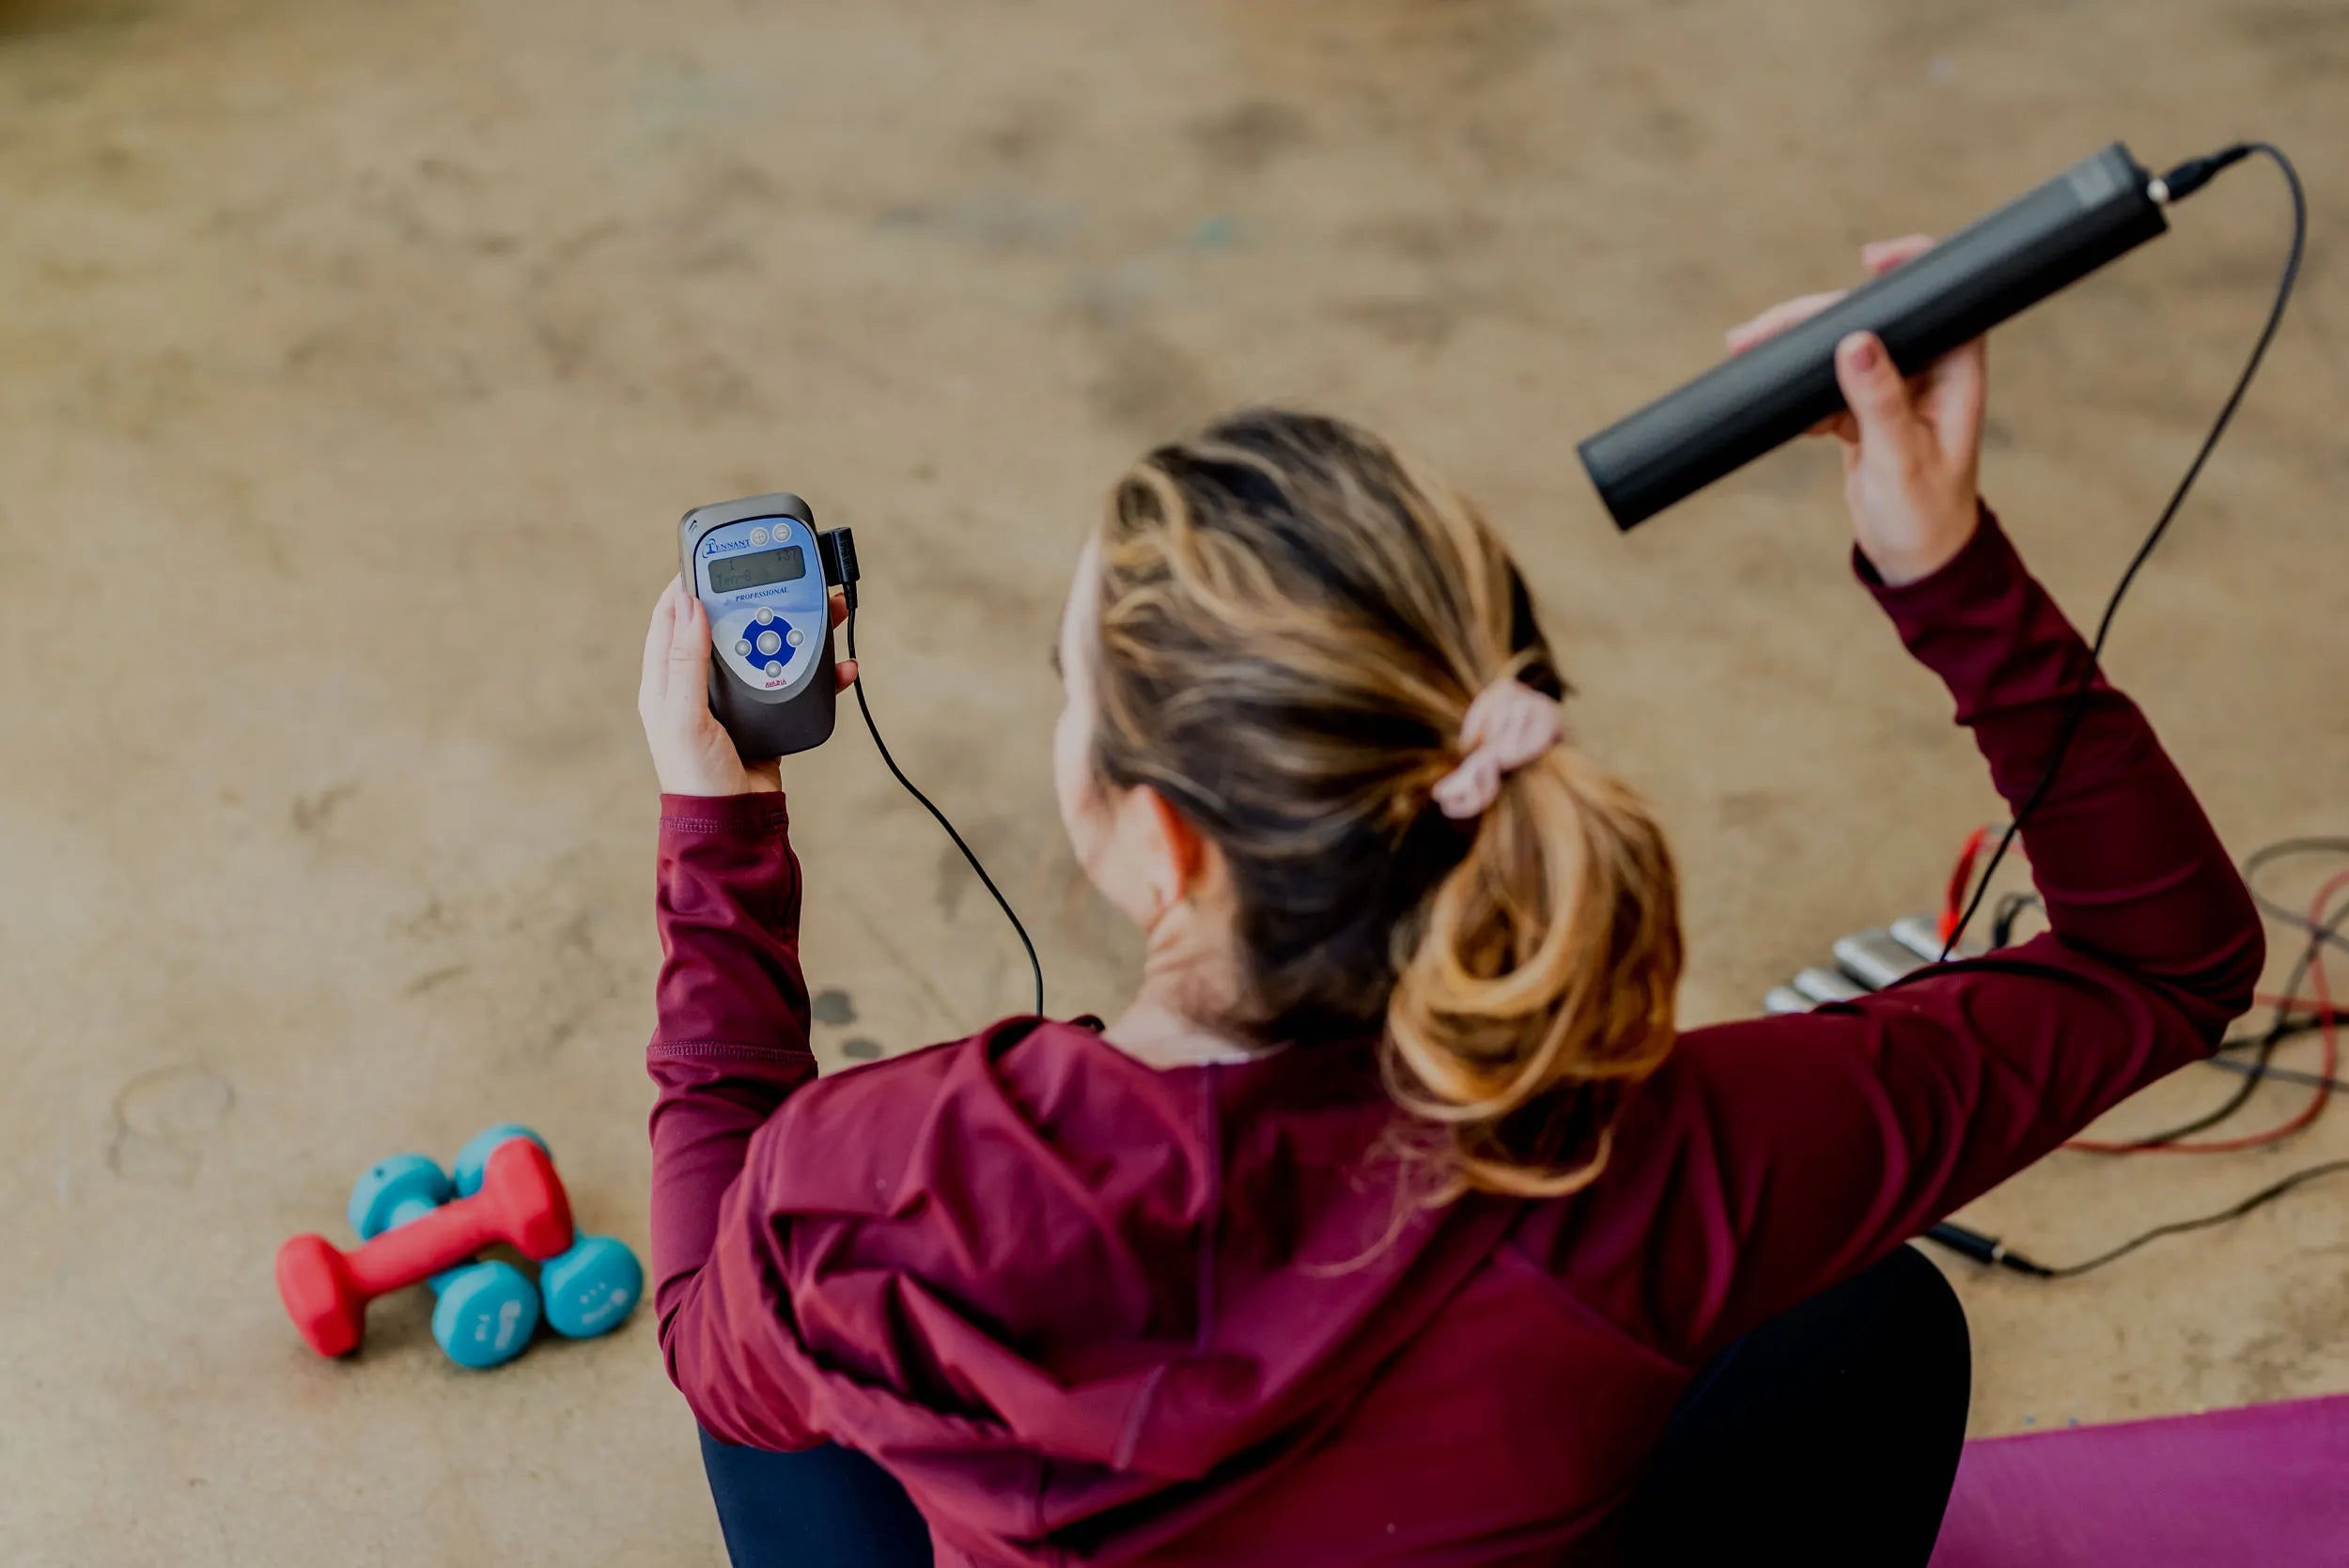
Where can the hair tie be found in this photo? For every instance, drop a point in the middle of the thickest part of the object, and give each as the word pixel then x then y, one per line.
pixel 1508 725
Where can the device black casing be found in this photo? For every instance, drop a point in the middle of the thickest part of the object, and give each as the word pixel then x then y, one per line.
pixel 766 723
pixel 1997 265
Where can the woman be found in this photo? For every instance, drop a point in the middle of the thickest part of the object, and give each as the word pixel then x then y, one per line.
pixel 1393 1221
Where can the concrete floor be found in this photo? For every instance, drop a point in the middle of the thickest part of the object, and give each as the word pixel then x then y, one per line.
pixel 358 360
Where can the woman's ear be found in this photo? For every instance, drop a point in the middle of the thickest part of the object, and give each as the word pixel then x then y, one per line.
pixel 1179 848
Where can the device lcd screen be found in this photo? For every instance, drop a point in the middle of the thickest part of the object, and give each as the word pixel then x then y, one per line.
pixel 757 569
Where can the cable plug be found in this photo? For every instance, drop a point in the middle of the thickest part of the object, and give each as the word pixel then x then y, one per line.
pixel 1985 1249
pixel 837 548
pixel 2195 173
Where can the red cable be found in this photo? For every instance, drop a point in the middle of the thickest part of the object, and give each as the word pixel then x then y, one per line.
pixel 2322 1004
pixel 2299 1004
pixel 1961 883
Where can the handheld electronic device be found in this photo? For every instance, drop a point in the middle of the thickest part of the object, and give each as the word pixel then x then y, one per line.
pixel 765 576
pixel 2101 208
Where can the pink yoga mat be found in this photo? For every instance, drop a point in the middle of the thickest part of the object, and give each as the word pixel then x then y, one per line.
pixel 2268 1485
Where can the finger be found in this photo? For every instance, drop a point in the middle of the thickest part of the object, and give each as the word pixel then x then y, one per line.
pixel 845 672
pixel 839 606
pixel 1882 256
pixel 656 639
pixel 1878 395
pixel 1776 319
pixel 1954 391
pixel 688 693
pixel 1838 425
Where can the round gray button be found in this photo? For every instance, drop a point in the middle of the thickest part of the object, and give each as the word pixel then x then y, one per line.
pixel 766 617
pixel 768 642
pixel 774 668
pixel 794 638
pixel 743 649
pixel 759 535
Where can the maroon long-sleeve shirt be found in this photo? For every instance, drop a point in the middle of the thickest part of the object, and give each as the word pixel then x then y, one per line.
pixel 1089 1311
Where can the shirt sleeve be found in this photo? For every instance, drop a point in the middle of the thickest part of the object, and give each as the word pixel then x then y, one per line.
pixel 730 1044
pixel 1770 1157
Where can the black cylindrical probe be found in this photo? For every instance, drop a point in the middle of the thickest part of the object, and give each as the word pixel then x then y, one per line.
pixel 2100 207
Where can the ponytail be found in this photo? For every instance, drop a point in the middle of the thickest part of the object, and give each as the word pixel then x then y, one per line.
pixel 1293 622
pixel 1540 972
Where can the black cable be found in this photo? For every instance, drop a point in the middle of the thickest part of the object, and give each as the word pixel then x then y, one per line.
pixel 2267 1194
pixel 2281 850
pixel 2264 1044
pixel 1989 1250
pixel 2281 1075
pixel 2285 1025
pixel 1034 964
pixel 2181 181
pixel 2010 910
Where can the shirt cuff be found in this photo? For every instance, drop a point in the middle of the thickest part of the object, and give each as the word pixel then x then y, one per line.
pixel 1985 567
pixel 753 815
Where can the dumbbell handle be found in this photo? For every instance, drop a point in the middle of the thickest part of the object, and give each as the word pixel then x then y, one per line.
pixel 453 1232
pixel 411 1209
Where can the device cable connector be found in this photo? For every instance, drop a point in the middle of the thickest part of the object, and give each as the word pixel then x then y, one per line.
pixel 836 549
pixel 1985 1250
pixel 2195 173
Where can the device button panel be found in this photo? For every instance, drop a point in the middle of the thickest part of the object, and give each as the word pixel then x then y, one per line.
pixel 763 584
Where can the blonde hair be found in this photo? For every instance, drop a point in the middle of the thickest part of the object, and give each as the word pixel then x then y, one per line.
pixel 1292 621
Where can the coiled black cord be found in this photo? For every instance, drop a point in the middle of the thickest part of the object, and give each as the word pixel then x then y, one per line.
pixel 1991 1250
pixel 2178 184
pixel 2182 182
pixel 1035 965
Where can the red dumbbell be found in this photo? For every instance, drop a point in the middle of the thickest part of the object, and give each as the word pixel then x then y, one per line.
pixel 327 1290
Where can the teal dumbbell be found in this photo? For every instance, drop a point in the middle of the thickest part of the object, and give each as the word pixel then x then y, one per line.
pixel 487 1311
pixel 587 1289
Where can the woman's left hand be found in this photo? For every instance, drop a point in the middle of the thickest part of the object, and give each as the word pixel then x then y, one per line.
pixel 1911 447
pixel 692 752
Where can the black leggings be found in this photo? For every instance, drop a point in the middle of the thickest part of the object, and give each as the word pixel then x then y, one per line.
pixel 1831 1433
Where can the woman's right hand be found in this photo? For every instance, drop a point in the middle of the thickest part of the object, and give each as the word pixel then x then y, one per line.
pixel 692 752
pixel 1911 447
